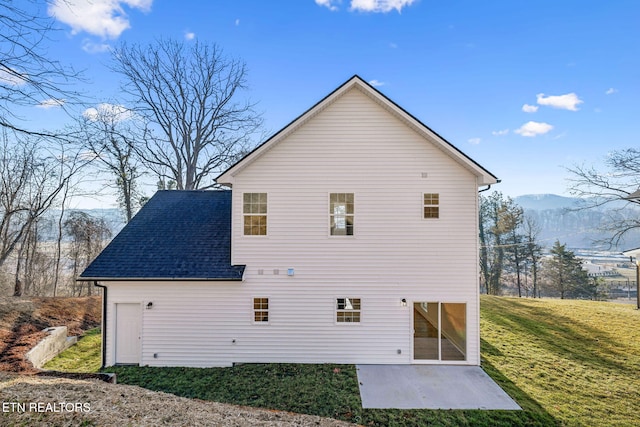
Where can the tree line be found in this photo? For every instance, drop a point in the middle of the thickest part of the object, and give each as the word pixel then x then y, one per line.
pixel 512 260
pixel 182 118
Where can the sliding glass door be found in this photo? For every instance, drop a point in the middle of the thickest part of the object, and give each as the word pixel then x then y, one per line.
pixel 439 331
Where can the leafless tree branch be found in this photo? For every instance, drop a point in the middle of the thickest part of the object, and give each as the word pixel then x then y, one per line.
pixel 190 95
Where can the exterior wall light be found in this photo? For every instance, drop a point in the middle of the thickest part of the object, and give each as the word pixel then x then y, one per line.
pixel 403 302
pixel 149 305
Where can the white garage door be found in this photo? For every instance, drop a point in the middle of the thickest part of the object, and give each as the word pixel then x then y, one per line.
pixel 127 334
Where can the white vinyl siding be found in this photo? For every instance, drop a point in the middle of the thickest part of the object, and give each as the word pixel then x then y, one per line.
pixel 354 145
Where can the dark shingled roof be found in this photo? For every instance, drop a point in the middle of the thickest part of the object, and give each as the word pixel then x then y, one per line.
pixel 176 235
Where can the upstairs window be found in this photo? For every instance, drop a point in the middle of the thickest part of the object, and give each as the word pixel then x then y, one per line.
pixel 341 210
pixel 348 310
pixel 260 310
pixel 254 209
pixel 431 205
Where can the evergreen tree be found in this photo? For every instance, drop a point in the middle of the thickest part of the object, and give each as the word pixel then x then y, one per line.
pixel 564 274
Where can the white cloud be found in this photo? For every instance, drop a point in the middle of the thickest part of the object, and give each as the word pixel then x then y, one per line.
pixel 237 22
pixel 189 35
pixel 12 77
pixel 611 91
pixel 570 101
pixel 500 132
pixel 111 112
pixel 329 4
pixel 50 103
pixel 104 18
pixel 474 141
pixel 532 129
pixel 530 108
pixel 91 47
pixel 393 45
pixel 383 6
pixel 376 83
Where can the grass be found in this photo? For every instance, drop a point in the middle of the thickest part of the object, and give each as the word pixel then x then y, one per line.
pixel 580 360
pixel 83 357
pixel 572 363
pixel 326 390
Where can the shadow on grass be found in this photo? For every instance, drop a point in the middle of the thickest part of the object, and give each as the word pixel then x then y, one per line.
pixel 558 334
pixel 526 402
pixel 326 390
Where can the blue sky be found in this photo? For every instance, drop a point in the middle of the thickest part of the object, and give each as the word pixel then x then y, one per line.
pixel 523 87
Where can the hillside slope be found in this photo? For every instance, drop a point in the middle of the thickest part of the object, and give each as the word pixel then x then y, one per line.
pixel 578 359
pixel 22 320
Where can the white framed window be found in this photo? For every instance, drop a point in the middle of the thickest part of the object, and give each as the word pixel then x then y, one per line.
pixel 261 310
pixel 348 310
pixel 341 214
pixel 254 210
pixel 431 205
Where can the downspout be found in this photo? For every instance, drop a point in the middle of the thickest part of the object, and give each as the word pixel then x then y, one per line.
pixel 498 181
pixel 104 323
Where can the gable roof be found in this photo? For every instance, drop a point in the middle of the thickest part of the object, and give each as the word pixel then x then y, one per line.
pixel 484 176
pixel 176 235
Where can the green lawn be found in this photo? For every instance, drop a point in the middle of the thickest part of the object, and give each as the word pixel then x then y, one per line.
pixel 326 390
pixel 83 357
pixel 580 360
pixel 573 363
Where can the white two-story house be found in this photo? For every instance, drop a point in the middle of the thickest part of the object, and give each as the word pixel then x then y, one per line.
pixel 350 236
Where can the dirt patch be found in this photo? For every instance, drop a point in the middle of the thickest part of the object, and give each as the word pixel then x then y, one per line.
pixel 97 403
pixel 23 319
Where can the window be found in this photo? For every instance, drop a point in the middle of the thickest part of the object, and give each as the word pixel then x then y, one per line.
pixel 261 309
pixel 254 208
pixel 348 310
pixel 431 205
pixel 341 214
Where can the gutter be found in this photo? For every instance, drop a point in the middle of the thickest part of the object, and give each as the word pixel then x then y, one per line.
pixel 104 323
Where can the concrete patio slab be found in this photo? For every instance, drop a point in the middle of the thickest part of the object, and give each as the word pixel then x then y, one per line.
pixel 430 387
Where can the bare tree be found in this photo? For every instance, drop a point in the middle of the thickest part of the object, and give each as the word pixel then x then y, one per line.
pixel 499 219
pixel 512 219
pixel 618 179
pixel 88 236
pixel 189 93
pixel 109 134
pixel 32 175
pixel 532 252
pixel 28 76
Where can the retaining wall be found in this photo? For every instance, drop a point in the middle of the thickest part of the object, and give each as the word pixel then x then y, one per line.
pixel 53 344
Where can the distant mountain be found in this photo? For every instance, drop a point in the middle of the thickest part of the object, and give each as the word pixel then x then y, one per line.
pixel 546 201
pixel 560 219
